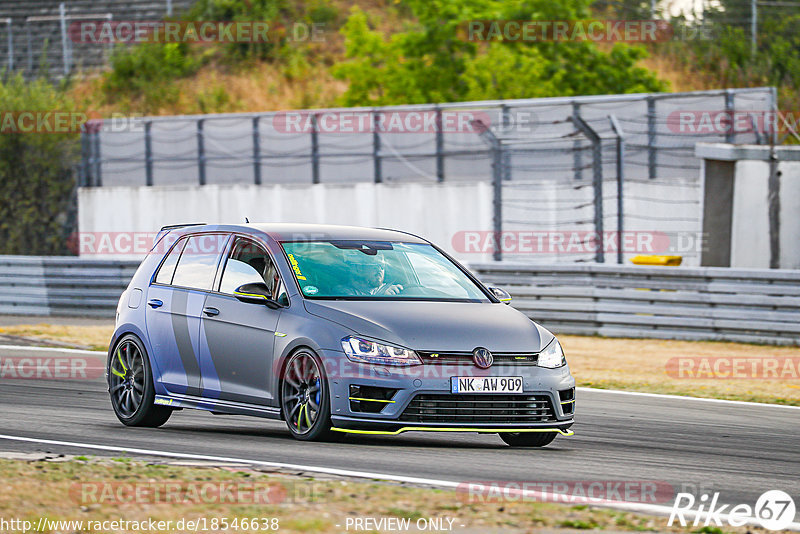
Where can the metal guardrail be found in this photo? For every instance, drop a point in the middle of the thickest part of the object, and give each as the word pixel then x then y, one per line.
pixel 745 305
pixel 718 304
pixel 33 285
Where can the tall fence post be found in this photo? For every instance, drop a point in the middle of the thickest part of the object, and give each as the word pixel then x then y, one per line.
pixel 97 178
pixel 651 137
pixel 201 153
pixel 148 152
pixel 83 168
pixel 65 52
pixel 439 146
pixel 773 106
pixel 497 185
pixel 29 44
pixel 577 153
pixel 256 151
pixel 729 134
pixel 314 149
pixel 10 31
pixel 597 182
pixel 506 118
pixel 376 147
pixel 615 126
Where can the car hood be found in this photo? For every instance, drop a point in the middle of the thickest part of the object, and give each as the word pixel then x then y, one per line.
pixel 437 326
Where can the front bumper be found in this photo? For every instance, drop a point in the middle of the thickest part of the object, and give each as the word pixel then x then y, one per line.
pixel 428 381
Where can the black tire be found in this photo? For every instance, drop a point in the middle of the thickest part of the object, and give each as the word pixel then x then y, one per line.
pixel 130 385
pixel 528 439
pixel 305 398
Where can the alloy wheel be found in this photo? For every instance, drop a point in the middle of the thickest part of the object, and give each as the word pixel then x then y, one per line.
pixel 127 378
pixel 302 392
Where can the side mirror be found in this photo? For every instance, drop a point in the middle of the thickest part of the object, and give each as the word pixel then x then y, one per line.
pixel 501 294
pixel 256 293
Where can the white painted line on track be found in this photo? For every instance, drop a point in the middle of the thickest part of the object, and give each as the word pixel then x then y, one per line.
pixel 53 349
pixel 533 495
pixel 686 397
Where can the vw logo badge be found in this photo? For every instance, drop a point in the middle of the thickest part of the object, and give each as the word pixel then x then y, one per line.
pixel 482 358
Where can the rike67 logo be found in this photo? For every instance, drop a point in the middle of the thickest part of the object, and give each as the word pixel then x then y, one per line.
pixel 774 510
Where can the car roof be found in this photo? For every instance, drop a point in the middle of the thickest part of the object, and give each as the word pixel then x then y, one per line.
pixel 312 232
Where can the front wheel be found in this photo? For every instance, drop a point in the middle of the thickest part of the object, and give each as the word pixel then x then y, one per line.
pixel 130 383
pixel 305 400
pixel 528 439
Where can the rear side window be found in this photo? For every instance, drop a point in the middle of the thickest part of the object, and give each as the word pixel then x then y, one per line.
pixel 198 262
pixel 167 269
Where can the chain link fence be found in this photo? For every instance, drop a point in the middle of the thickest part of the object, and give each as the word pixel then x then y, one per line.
pixel 585 168
pixel 36 37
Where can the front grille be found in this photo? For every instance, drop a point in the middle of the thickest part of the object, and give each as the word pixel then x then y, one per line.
pixel 465 358
pixel 471 409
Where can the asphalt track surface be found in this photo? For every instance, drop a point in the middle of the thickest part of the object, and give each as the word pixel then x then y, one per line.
pixel 740 450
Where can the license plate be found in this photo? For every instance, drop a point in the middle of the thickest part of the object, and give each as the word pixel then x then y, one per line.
pixel 486 384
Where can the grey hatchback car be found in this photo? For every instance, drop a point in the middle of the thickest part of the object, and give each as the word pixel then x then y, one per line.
pixel 336 330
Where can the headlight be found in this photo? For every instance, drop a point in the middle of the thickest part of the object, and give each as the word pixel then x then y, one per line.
pixel 365 351
pixel 552 356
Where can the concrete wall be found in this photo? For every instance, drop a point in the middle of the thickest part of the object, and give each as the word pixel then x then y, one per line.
pixel 749 205
pixel 435 211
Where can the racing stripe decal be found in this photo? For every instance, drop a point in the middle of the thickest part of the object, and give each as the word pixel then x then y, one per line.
pixel 180 328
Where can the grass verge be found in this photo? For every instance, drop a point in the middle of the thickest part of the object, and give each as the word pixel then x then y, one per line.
pixel 95 490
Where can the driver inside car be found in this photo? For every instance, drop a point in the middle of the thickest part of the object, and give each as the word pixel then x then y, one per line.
pixel 371 278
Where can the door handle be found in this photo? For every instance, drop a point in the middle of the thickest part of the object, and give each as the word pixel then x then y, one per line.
pixel 211 312
pixel 155 303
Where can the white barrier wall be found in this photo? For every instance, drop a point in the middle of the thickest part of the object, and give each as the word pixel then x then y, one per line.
pixel 434 211
pixel 747 202
pixel 443 213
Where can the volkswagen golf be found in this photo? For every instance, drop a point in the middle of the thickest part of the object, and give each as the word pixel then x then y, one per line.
pixel 333 330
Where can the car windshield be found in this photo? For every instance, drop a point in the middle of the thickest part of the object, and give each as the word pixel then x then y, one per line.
pixel 361 270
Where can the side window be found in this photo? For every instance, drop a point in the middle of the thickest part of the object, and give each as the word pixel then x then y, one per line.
pixel 247 263
pixel 198 263
pixel 167 269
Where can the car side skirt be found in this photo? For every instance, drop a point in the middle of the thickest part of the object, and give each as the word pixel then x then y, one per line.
pixel 217 406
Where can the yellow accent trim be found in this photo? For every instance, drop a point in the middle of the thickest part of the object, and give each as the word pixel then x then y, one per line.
pixel 447 429
pixel 370 400
pixel 568 402
pixel 280 334
pixel 119 357
pixel 250 295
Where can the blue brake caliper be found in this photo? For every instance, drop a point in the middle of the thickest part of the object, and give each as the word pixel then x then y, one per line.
pixel 316 397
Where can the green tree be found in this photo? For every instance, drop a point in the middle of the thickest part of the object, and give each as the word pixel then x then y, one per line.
pixel 432 60
pixel 37 183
